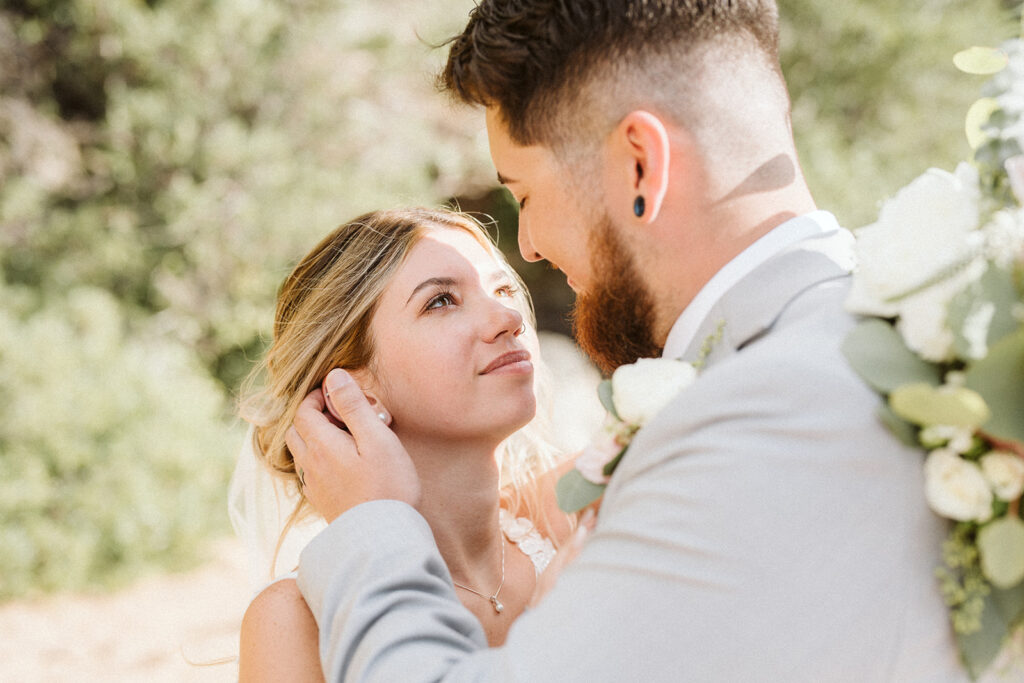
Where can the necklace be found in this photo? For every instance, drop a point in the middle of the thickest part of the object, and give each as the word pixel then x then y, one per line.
pixel 495 603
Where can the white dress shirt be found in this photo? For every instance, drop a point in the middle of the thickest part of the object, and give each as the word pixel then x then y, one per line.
pixel 777 239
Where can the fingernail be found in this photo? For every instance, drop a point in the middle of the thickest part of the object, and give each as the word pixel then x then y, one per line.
pixel 336 379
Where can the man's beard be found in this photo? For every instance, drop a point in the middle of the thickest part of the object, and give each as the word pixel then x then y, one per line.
pixel 614 320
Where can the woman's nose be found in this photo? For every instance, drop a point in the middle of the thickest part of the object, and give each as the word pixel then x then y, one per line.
pixel 504 320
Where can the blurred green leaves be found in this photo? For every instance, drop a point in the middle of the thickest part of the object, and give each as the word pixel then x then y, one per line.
pixel 163 164
pixel 113 455
pixel 875 94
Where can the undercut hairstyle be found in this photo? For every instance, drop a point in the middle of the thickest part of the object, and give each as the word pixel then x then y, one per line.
pixel 558 70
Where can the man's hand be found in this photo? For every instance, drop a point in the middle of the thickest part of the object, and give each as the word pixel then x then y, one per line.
pixel 340 469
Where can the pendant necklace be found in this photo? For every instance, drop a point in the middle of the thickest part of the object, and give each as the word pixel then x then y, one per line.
pixel 495 603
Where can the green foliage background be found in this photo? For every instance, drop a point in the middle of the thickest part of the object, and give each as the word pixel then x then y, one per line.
pixel 163 163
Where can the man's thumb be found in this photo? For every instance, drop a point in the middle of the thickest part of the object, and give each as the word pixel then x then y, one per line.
pixel 347 403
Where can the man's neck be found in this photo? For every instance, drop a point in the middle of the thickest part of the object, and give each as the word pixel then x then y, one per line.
pixel 711 236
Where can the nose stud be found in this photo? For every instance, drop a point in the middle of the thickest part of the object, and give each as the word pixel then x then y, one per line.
pixel 519 330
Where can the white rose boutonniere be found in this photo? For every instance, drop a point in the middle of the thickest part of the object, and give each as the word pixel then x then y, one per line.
pixel 633 396
pixel 642 389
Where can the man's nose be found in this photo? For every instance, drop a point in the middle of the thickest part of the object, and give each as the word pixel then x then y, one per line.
pixel 526 248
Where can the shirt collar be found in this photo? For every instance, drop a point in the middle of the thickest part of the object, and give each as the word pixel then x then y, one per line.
pixel 773 242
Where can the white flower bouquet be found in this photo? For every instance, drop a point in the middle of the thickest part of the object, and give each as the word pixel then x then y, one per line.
pixel 941 275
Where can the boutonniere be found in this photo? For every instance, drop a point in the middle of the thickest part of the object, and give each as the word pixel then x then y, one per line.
pixel 633 396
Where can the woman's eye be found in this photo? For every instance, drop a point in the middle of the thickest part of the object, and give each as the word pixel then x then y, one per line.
pixel 440 301
pixel 506 291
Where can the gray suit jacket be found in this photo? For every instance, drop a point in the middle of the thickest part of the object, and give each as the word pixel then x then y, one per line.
pixel 764 527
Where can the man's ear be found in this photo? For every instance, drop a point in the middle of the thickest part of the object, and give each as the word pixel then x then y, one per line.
pixel 640 158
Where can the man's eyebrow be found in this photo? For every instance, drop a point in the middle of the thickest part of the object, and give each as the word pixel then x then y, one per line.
pixel 434 281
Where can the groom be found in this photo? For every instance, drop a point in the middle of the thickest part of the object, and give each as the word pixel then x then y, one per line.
pixel 764 526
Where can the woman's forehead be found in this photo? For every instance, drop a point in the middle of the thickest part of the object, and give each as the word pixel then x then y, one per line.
pixel 449 249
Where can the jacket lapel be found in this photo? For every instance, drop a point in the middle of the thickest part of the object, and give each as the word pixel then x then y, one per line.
pixel 752 306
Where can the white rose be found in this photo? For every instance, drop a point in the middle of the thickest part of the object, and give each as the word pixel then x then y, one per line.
pixel 1005 472
pixel 640 390
pixel 923 316
pixel 929 226
pixel 598 453
pixel 1015 171
pixel 1004 234
pixel 956 488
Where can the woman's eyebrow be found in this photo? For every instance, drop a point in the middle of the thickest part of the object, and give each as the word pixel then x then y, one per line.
pixel 431 282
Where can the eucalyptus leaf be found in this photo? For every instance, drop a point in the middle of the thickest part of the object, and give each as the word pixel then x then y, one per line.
pixel 1010 603
pixel 576 492
pixel 604 392
pixel 993 296
pixel 877 353
pixel 904 431
pixel 1001 549
pixel 981 61
pixel 1002 612
pixel 923 404
pixel 609 468
pixel 999 378
pixel 977 116
pixel 979 649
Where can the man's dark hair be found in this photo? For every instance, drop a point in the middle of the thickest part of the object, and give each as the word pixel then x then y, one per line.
pixel 528 57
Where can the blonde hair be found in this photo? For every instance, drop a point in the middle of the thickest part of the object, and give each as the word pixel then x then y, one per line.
pixel 324 312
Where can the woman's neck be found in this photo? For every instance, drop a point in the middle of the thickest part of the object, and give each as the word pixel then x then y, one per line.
pixel 460 501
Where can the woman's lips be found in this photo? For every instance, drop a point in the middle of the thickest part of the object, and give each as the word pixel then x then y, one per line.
pixel 513 362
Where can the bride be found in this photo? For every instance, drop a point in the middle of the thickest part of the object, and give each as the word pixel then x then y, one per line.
pixel 427 316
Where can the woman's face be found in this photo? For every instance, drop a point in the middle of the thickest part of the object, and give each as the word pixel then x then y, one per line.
pixel 451 355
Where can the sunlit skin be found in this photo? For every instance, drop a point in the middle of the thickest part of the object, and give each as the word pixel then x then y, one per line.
pixel 444 319
pixel 551 225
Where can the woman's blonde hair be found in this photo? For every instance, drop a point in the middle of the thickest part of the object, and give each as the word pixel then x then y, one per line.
pixel 324 312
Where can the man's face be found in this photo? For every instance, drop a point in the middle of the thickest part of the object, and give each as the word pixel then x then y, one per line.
pixel 613 318
pixel 552 225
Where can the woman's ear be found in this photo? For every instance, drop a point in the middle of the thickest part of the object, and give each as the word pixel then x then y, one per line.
pixel 378 407
pixel 641 155
pixel 368 384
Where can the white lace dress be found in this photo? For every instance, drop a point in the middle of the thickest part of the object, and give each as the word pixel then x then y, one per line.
pixel 521 532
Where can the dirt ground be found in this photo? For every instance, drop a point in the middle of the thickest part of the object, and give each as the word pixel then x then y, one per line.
pixel 149 631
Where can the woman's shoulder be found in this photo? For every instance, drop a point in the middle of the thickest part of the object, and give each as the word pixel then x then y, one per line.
pixel 279 636
pixel 279 595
